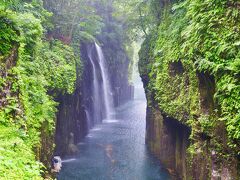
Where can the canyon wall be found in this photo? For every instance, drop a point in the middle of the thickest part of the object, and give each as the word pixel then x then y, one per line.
pixel 185 129
pixel 76 111
pixel 74 117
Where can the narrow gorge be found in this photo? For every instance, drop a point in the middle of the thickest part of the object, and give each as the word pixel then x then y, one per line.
pixel 122 90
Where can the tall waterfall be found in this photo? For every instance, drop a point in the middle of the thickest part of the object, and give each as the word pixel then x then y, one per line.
pixel 102 107
pixel 95 90
pixel 108 101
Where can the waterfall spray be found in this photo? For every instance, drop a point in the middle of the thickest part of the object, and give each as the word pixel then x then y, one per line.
pixel 101 89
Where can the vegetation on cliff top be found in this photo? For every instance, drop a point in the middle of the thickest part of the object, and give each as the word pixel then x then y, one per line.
pixel 192 59
pixel 31 70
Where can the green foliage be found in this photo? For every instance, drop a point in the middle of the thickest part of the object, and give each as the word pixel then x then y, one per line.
pixel 139 17
pixel 8 35
pixel 75 18
pixel 135 16
pixel 212 42
pixel 12 4
pixel 31 32
pixel 202 39
pixel 146 54
pixel 17 160
pixel 58 64
pixel 179 98
pixel 33 77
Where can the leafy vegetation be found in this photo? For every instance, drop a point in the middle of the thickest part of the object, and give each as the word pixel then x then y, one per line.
pixel 74 20
pixel 7 36
pixel 190 57
pixel 33 73
pixel 214 47
pixel 39 60
pixel 17 159
pixel 192 62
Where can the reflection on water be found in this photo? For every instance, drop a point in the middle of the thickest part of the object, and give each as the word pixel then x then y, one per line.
pixel 116 150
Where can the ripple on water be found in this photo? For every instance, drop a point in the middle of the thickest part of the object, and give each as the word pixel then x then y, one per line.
pixel 96 129
pixel 117 151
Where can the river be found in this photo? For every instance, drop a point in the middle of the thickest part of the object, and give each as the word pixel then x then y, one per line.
pixel 115 149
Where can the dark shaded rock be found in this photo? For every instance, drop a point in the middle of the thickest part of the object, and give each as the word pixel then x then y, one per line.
pixel 73 109
pixel 118 66
pixel 71 115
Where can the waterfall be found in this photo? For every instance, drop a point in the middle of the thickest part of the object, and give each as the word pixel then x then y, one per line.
pixel 95 90
pixel 89 123
pixel 102 102
pixel 107 93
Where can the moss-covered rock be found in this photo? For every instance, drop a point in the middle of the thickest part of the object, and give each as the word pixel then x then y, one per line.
pixel 183 72
pixel 32 72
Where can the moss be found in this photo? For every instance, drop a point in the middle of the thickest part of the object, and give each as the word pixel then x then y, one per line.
pixel 8 36
pixel 186 72
pixel 17 159
pixel 33 73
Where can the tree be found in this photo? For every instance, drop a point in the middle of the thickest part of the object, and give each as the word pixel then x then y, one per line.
pixel 73 18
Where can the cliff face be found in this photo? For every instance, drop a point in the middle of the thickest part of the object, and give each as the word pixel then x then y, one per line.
pixel 187 127
pixel 185 151
pixel 74 111
pixel 117 58
pixel 71 116
pixel 71 123
pixel 168 140
pixel 29 71
pixel 118 65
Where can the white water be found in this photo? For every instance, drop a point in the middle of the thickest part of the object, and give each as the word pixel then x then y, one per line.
pixel 108 101
pixel 101 90
pixel 124 134
pixel 115 149
pixel 89 124
pixel 96 90
pixel 68 160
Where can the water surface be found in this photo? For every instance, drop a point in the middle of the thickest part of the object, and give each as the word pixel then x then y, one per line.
pixel 115 149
